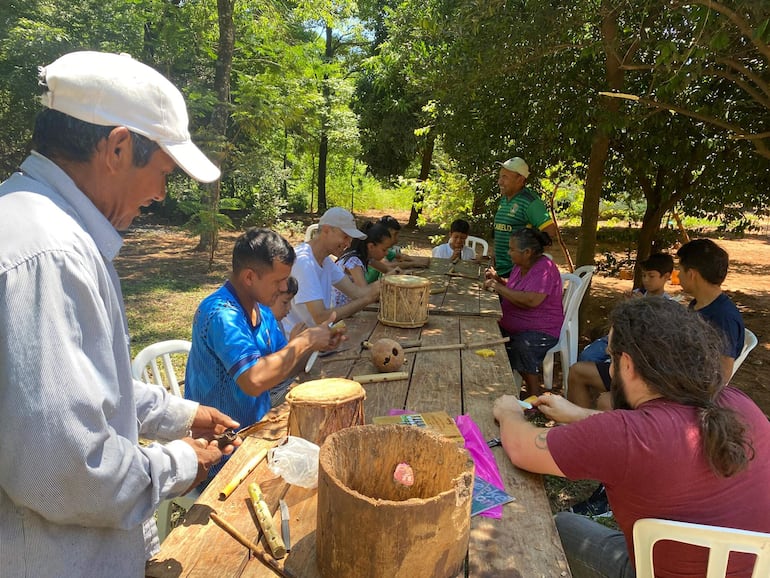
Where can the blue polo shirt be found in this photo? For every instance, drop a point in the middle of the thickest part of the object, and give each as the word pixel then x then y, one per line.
pixel 224 345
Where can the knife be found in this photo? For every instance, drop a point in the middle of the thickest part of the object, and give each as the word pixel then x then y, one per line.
pixel 285 525
pixel 311 361
pixel 313 357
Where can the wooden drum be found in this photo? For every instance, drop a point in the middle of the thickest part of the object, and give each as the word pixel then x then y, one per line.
pixel 324 406
pixel 404 300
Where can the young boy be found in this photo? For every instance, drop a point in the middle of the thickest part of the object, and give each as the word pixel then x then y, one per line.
pixel 280 310
pixel 656 272
pixel 455 248
pixel 589 378
pixel 702 270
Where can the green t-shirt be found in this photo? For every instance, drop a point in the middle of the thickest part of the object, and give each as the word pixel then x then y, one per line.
pixel 524 209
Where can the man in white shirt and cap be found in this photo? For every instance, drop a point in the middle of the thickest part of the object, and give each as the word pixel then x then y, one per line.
pixel 316 273
pixel 77 489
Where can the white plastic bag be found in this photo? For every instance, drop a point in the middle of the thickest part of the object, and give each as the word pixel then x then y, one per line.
pixel 296 461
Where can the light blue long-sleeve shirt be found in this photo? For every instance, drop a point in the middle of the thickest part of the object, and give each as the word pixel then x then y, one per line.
pixel 75 485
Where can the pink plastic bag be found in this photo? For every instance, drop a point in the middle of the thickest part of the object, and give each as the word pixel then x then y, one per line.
pixel 486 466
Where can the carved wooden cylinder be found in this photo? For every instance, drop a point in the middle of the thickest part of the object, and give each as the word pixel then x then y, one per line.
pixel 371 525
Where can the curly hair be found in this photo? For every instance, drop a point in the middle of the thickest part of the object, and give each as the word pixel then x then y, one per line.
pixel 677 354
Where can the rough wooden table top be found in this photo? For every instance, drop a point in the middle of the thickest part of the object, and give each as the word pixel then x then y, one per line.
pixel 523 543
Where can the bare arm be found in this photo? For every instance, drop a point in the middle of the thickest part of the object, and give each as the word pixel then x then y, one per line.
pixel 358 275
pixel 360 298
pixel 552 231
pixel 525 444
pixel 274 368
pixel 525 299
pixel 727 366
pixel 559 409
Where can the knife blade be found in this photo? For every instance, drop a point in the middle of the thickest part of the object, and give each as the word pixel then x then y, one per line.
pixel 311 361
pixel 285 534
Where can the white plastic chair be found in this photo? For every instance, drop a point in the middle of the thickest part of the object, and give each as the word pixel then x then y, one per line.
pixel 145 368
pixel 310 231
pixel 720 541
pixel 472 241
pixel 567 345
pixel 585 272
pixel 147 360
pixel 749 343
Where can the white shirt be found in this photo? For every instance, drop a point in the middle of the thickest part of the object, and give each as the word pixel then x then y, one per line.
pixel 75 485
pixel 315 283
pixel 445 252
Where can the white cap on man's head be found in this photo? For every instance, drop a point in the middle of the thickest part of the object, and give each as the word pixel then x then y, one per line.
pixel 116 90
pixel 342 219
pixel 516 165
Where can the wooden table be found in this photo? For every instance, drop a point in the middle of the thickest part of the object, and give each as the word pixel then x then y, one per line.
pixel 523 543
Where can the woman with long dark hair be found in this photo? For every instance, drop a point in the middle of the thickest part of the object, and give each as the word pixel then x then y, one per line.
pixel 355 260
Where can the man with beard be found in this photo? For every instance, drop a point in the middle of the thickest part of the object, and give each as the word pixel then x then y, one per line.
pixel 679 445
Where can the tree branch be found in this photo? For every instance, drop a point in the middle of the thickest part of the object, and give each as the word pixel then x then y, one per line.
pixel 738 133
pixel 740 23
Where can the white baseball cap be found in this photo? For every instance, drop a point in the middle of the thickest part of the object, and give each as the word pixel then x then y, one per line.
pixel 342 219
pixel 116 90
pixel 516 165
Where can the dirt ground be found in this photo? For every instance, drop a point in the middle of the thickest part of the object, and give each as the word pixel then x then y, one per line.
pixel 150 248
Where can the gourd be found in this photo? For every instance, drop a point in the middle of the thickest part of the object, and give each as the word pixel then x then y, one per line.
pixel 387 355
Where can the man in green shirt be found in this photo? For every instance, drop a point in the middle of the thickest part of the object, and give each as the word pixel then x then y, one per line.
pixel 519 207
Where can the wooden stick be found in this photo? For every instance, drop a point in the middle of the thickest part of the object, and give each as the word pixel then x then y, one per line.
pixel 464 275
pixel 242 473
pixel 252 547
pixel 448 347
pixel 374 377
pixel 453 346
pixel 274 541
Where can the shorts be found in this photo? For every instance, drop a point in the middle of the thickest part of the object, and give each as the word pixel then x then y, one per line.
pixel 603 368
pixel 278 393
pixel 527 349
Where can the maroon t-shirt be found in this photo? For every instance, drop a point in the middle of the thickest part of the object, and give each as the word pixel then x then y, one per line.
pixel 651 462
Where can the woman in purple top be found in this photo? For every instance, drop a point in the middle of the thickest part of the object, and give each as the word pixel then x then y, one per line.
pixel 531 302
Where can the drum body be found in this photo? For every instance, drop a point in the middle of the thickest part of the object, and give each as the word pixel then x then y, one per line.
pixel 404 300
pixel 324 406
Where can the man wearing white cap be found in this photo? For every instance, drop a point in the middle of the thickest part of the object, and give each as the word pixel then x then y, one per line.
pixel 519 207
pixel 76 487
pixel 316 273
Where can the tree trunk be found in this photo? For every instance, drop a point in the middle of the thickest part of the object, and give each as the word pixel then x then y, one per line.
pixel 218 125
pixel 427 160
pixel 600 145
pixel 323 147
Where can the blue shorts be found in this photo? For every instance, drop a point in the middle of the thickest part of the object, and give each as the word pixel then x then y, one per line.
pixel 527 349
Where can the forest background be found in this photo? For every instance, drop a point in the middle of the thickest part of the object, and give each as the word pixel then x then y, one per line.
pixel 654 112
